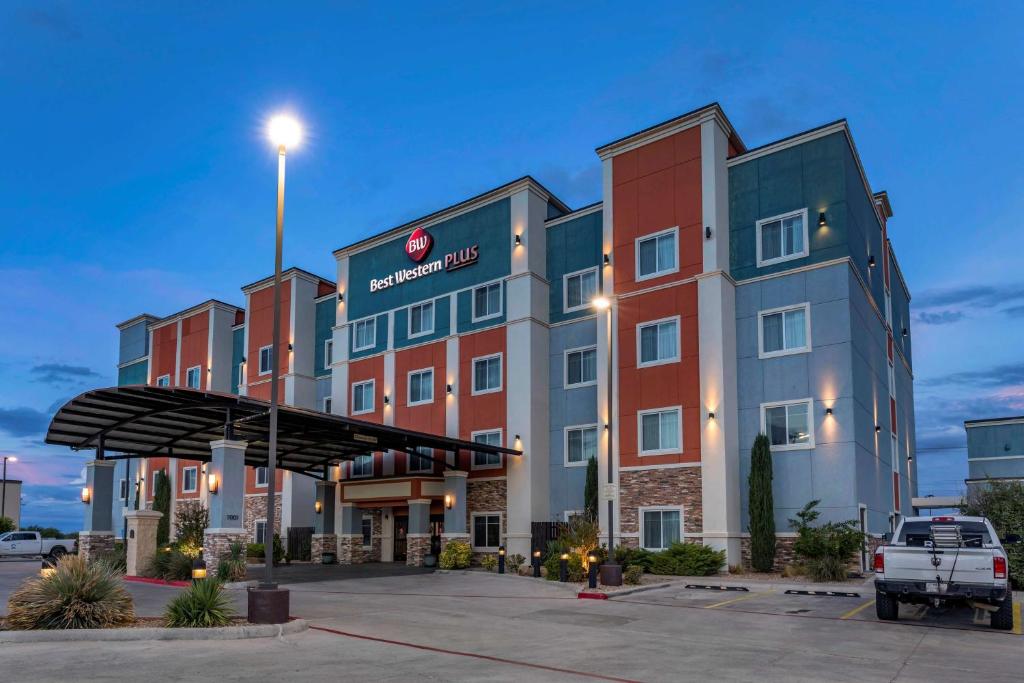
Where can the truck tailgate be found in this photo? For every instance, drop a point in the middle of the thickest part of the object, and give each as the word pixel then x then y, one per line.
pixel 972 565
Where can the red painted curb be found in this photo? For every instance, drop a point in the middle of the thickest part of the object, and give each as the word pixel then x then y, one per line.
pixel 158 582
pixel 592 596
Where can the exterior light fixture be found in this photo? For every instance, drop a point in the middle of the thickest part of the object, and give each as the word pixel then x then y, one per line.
pixel 592 570
pixel 607 260
pixel 563 568
pixel 711 415
pixel 821 220
pixel 341 296
pixel 284 131
pixel 601 303
pixel 290 347
pixel 449 501
pixel 86 495
pixel 519 239
pixel 905 332
pixel 501 559
pixel 707 232
pixel 871 261
pixel 878 428
pixel 198 569
pixel 828 411
pixel 387 400
pixel 536 564
pixel 212 483
pixel 243 359
pixel 448 389
pixel 318 506
pixel 517 438
pixel 606 426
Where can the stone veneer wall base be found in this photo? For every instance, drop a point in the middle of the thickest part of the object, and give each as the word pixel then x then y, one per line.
pixel 216 545
pixel 323 543
pixel 93 544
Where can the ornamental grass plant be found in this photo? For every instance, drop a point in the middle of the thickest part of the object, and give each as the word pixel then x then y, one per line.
pixel 202 605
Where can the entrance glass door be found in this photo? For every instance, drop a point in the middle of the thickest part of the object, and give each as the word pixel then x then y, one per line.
pixel 401 529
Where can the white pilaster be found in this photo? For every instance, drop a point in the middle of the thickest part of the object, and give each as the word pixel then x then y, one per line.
pixel 451 401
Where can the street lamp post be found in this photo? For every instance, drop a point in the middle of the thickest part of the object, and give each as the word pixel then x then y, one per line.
pixel 613 575
pixel 3 496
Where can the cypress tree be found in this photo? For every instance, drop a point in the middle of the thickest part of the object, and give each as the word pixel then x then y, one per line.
pixel 590 489
pixel 162 503
pixel 762 507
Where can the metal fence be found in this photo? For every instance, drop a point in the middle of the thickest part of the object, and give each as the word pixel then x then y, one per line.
pixel 544 532
pixel 300 542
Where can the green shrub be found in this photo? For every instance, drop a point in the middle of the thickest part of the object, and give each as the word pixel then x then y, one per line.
pixel 590 497
pixel 202 605
pixel 44 531
pixel 170 564
pixel 232 564
pixel 575 568
pixel 762 506
pixel 456 555
pixel 254 550
pixel 489 562
pixel 514 562
pixel 162 503
pixel 633 575
pixel 630 557
pixel 826 550
pixel 6 524
pixel 695 559
pixel 116 559
pixel 1003 503
pixel 580 537
pixel 190 524
pixel 75 595
pixel 663 563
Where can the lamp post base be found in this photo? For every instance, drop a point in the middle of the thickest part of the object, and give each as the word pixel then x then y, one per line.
pixel 268 604
pixel 611 574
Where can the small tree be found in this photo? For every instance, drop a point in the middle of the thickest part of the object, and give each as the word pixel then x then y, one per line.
pixel 762 506
pixel 162 503
pixel 1003 503
pixel 6 524
pixel 190 526
pixel 826 549
pixel 590 489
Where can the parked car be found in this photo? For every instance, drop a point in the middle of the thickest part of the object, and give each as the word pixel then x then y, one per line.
pixel 29 544
pixel 945 560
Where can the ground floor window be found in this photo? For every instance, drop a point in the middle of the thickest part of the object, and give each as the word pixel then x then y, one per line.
pixel 260 533
pixel 486 531
pixel 367 531
pixel 661 527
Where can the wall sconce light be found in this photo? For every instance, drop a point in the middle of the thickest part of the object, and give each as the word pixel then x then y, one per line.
pixel 518 239
pixel 707 232
pixel 198 569
pixel 821 220
pixel 828 411
pixel 871 261
pixel 607 260
pixel 86 495
pixel 448 389
pixel 212 483
pixel 341 297
pixel 905 332
pixel 318 506
pixel 878 428
pixel 290 347
pixel 910 458
pixel 209 369
pixel 243 359
pixel 517 438
pixel 711 415
pixel 387 400
pixel 449 501
pixel 607 426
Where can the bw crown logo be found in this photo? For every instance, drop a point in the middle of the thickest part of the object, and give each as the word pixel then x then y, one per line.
pixel 419 244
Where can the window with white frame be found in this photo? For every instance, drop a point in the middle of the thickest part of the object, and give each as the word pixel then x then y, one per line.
pixel 784 331
pixel 570 515
pixel 328 352
pixel 163 381
pixel 421 319
pixel 782 238
pixel 487 374
pixel 364 334
pixel 422 460
pixel 421 386
pixel 661 527
pixel 327 404
pixel 362 397
pixel 579 289
pixel 788 424
pixel 657 342
pixel 189 479
pixel 367 529
pixel 486 530
pixel 657 254
pixel 266 352
pixel 260 531
pixel 661 431
pixel 581 367
pixel 241 374
pixel 123 489
pixel 362 466
pixel 262 476
pixel 192 376
pixel 580 444
pixel 482 461
pixel 487 301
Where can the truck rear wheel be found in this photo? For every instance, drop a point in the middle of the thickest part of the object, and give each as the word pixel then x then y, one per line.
pixel 58 551
pixel 1002 619
pixel 887 607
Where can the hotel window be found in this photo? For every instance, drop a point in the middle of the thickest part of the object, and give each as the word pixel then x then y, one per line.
pixel 782 238
pixel 260 532
pixel 422 460
pixel 163 381
pixel 327 404
pixel 580 444
pixel 328 353
pixel 661 527
pixel 241 375
pixel 189 476
pixel 487 374
pixel 581 367
pixel 484 461
pixel 656 254
pixel 123 488
pixel 192 377
pixel 362 466
pixel 265 357
pixel 421 319
pixel 421 386
pixel 487 301
pixel 362 397
pixel 788 425
pixel 261 476
pixel 364 335
pixel 784 331
pixel 661 431
pixel 579 290
pixel 486 531
pixel 657 342
pixel 367 529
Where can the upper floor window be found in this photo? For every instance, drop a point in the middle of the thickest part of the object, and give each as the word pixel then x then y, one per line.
pixel 328 352
pixel 362 466
pixel 487 374
pixel 781 238
pixel 421 319
pixel 421 386
pixel 487 301
pixel 581 367
pixel 266 354
pixel 189 479
pixel 657 254
pixel 362 397
pixel 580 288
pixel 788 424
pixel 482 461
pixel 241 374
pixel 661 431
pixel 365 334
pixel 580 444
pixel 327 404
pixel 261 476
pixel 192 377
pixel 422 460
pixel 785 330
pixel 658 342
pixel 163 381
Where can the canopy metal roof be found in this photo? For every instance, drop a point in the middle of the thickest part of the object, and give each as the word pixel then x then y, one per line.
pixel 146 421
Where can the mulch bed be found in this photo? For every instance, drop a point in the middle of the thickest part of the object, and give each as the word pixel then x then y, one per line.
pixel 148 622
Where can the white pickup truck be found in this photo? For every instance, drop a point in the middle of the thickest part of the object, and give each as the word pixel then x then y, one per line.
pixel 939 560
pixel 28 544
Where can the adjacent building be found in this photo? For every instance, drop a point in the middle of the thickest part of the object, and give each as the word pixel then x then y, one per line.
pixel 995 450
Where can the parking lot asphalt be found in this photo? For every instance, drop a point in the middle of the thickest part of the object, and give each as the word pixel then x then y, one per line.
pixel 475 626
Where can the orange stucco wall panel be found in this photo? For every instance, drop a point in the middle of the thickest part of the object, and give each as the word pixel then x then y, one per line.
pixel 195 347
pixel 165 351
pixel 261 333
pixel 484 411
pixel 429 417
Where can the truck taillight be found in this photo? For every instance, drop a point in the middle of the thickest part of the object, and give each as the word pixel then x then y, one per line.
pixel 999 567
pixel 880 562
pixel 942 519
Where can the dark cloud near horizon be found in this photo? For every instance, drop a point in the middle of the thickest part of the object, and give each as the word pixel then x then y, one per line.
pixel 59 374
pixel 998 376
pixel 23 421
pixel 940 318
pixel 952 303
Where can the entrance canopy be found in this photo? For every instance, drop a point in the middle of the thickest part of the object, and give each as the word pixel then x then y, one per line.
pixel 146 421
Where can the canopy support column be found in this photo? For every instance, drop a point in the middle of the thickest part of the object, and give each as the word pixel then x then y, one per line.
pixel 324 538
pixel 226 471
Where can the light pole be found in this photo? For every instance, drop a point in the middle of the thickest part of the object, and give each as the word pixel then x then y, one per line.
pixel 613 576
pixel 3 496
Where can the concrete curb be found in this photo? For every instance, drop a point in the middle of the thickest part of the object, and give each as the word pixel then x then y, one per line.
pixel 639 589
pixel 156 633
pixel 240 585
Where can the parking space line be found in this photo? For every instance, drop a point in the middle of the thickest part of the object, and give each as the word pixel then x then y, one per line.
pixel 1018 627
pixel 749 596
pixel 857 610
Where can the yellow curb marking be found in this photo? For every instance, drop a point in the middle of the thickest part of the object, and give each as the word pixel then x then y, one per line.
pixel 1018 627
pixel 748 596
pixel 857 610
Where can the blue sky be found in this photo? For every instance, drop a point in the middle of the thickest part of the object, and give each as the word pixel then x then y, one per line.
pixel 137 177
